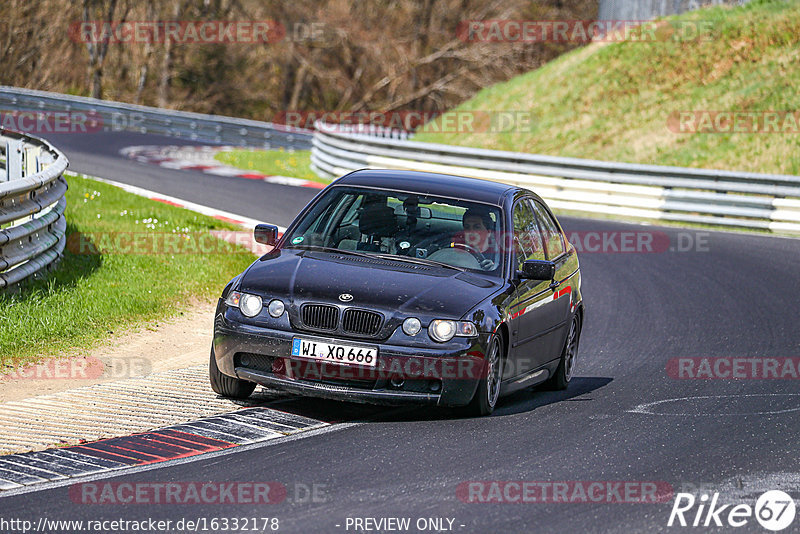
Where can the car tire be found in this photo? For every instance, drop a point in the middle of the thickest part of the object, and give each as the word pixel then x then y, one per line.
pixel 488 392
pixel 225 385
pixel 566 365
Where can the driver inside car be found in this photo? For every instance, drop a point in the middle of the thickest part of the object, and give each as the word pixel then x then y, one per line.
pixel 478 235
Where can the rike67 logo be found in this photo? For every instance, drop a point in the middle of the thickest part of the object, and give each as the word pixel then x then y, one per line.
pixel 774 510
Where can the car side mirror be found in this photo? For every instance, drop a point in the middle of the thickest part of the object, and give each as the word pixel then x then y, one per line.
pixel 538 270
pixel 266 234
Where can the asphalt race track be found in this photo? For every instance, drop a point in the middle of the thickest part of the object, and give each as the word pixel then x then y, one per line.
pixel 731 295
pixel 98 155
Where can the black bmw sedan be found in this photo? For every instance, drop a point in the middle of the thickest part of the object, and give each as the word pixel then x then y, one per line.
pixel 397 287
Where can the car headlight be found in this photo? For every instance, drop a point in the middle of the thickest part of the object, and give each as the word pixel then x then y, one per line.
pixel 276 308
pixel 442 330
pixel 249 305
pixel 412 326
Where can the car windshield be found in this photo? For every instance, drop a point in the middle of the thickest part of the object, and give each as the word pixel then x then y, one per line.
pixel 405 226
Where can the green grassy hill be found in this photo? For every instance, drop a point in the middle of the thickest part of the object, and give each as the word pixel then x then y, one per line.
pixel 614 101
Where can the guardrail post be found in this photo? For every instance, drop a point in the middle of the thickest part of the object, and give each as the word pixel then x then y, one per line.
pixel 13 159
pixel 3 169
pixel 31 160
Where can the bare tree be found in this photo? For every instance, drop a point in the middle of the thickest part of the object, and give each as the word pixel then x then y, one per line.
pixel 97 47
pixel 371 55
pixel 148 53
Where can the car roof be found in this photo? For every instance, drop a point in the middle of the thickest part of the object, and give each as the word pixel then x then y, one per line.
pixel 428 183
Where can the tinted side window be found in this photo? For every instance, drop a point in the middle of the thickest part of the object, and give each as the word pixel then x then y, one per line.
pixel 527 239
pixel 553 240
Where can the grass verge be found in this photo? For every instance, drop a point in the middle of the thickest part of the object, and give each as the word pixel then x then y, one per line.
pixel 91 295
pixel 296 164
pixel 618 102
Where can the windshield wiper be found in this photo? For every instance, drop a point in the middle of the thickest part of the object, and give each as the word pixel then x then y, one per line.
pixel 334 250
pixel 420 261
pixel 390 257
pixel 322 248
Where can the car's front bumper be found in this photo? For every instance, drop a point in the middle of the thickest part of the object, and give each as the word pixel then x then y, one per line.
pixel 443 375
pixel 333 391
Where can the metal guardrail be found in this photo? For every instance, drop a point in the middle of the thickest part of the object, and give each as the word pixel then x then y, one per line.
pixel 32 224
pixel 118 116
pixel 704 196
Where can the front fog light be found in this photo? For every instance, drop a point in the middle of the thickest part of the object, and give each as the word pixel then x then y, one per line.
pixel 250 305
pixel 412 326
pixel 276 308
pixel 442 330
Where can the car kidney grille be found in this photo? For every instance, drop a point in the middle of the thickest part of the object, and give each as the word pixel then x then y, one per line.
pixel 363 322
pixel 320 316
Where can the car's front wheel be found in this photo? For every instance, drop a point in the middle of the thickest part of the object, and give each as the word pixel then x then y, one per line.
pixel 225 385
pixel 485 399
pixel 566 366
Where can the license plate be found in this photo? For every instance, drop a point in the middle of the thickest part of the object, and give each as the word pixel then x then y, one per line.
pixel 335 352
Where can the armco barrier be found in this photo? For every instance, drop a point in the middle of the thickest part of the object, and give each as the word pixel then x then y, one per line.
pixel 32 203
pixel 118 116
pixel 704 196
